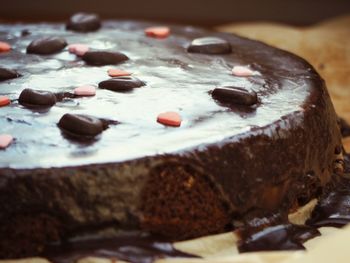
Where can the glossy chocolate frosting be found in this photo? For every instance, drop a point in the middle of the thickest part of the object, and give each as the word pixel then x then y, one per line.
pixel 274 155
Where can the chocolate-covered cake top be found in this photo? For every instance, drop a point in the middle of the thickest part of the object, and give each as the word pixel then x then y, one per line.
pixel 166 77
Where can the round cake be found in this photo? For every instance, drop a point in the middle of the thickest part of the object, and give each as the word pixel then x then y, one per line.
pixel 194 131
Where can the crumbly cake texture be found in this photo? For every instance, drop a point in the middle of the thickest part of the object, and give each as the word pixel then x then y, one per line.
pixel 226 161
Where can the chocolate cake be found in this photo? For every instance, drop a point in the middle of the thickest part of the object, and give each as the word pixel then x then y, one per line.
pixel 233 146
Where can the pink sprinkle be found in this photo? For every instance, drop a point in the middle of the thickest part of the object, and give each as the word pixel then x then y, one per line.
pixel 241 71
pixel 5 140
pixel 78 49
pixel 4 47
pixel 158 32
pixel 86 90
pixel 4 101
pixel 113 72
pixel 169 118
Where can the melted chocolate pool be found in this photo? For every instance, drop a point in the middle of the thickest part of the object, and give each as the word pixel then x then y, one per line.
pixel 279 237
pixel 131 247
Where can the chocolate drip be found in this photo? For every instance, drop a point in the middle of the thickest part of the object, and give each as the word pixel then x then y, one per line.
pixel 276 233
pixel 333 209
pixel 278 237
pixel 131 247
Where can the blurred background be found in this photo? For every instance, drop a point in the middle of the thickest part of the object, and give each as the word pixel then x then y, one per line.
pixel 198 12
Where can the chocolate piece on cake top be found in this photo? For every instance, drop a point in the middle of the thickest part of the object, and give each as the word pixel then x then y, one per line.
pixel 210 45
pixel 84 22
pixel 79 124
pixel 46 45
pixel 120 84
pixel 235 95
pixel 32 98
pixel 101 58
pixel 6 74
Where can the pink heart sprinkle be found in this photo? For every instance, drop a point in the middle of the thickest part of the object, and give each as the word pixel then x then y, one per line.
pixel 5 140
pixel 241 71
pixel 169 118
pixel 158 32
pixel 4 47
pixel 86 90
pixel 78 49
pixel 4 101
pixel 113 72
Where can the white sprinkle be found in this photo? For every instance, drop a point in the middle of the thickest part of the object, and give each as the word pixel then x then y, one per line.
pixel 241 71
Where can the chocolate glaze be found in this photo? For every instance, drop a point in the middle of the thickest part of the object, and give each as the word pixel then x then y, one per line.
pixel 162 65
pixel 333 209
pixel 276 233
pixel 275 156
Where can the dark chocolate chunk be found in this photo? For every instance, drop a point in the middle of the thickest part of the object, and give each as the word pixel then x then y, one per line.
pixel 210 45
pixel 46 45
pixel 235 95
pixel 100 58
pixel 8 74
pixel 30 97
pixel 79 124
pixel 121 83
pixel 84 22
